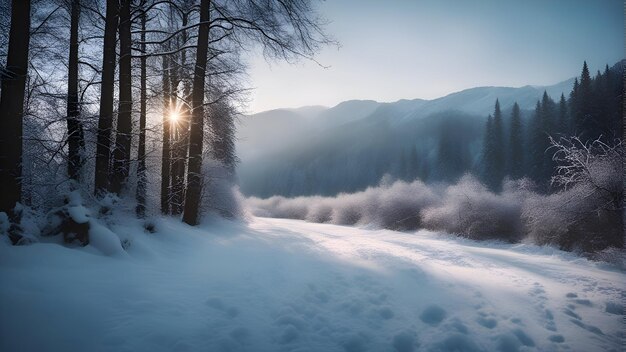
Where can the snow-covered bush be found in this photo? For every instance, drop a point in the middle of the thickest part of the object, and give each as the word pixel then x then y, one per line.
pixel 280 207
pixel 320 211
pixel 587 213
pixel 400 204
pixel 391 205
pixel 348 209
pixel 220 193
pixel 471 210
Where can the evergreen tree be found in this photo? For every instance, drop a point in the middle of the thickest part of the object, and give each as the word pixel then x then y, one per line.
pixel 488 154
pixel 563 121
pixel 573 107
pixel 615 82
pixel 499 158
pixel 548 121
pixel 585 124
pixel 536 137
pixel 516 145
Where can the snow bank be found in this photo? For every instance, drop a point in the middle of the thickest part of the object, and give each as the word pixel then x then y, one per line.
pixel 286 285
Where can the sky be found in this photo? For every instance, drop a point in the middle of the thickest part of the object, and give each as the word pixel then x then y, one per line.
pixel 407 49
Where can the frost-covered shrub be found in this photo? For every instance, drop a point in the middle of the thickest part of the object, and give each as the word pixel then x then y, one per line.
pixel 587 213
pixel 391 205
pixel 279 207
pixel 320 211
pixel 471 210
pixel 222 193
pixel 576 218
pixel 400 204
pixel 347 209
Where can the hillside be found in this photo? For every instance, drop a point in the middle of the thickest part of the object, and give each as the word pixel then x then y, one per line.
pixel 289 151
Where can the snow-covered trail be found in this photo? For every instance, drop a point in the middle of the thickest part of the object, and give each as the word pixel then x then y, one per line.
pixel 287 285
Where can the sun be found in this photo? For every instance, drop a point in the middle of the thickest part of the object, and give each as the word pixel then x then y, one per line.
pixel 174 116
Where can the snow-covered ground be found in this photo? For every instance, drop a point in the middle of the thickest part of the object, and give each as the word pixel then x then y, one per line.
pixel 286 285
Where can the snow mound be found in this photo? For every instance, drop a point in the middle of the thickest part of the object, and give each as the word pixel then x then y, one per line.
pixel 104 240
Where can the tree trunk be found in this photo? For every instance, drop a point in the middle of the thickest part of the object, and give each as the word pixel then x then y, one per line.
pixel 194 174
pixel 103 147
pixel 75 139
pixel 12 106
pixel 141 153
pixel 165 154
pixel 121 155
pixel 180 160
pixel 182 133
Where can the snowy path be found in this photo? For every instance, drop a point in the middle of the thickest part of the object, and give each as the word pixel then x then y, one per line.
pixel 286 285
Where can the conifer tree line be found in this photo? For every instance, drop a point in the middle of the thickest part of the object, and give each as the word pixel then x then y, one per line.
pixel 522 147
pixel 119 97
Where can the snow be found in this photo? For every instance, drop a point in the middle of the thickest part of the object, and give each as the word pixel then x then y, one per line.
pixel 288 285
pixel 104 240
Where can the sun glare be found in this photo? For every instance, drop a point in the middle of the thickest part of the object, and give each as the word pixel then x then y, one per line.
pixel 174 116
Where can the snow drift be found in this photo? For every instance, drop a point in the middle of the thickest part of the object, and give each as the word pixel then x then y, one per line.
pixel 287 285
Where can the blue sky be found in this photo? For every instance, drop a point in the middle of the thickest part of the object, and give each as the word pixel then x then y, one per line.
pixel 398 49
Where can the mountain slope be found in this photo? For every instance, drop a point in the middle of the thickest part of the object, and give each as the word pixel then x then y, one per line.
pixel 349 147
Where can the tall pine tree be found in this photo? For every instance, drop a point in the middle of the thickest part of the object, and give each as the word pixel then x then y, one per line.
pixel 499 157
pixel 516 145
pixel 548 121
pixel 488 154
pixel 562 126
pixel 584 119
pixel 536 137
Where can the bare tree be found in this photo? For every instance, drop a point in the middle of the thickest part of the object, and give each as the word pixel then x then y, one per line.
pixel 105 120
pixel 141 151
pixel 75 137
pixel 121 154
pixel 286 29
pixel 166 149
pixel 12 106
pixel 194 177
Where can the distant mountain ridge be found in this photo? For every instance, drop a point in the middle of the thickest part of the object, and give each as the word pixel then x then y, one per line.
pixel 316 150
pixel 259 133
pixel 477 100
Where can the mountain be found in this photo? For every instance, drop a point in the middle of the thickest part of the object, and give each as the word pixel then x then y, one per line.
pixel 345 148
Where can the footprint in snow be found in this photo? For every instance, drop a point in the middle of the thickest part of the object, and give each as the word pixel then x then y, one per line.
pixel 487 322
pixel 584 302
pixel 587 327
pixel 405 341
pixel 433 315
pixel 513 341
pixel 614 308
pixel 556 338
pixel 572 314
